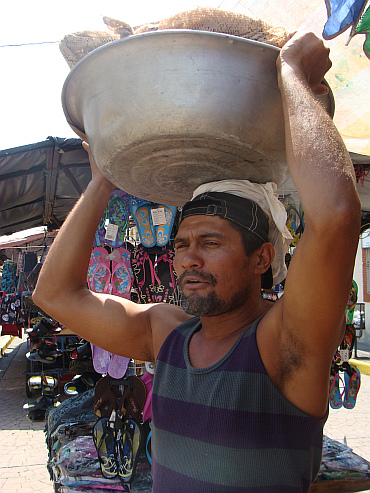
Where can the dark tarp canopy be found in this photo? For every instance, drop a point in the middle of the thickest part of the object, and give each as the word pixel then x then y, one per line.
pixel 40 183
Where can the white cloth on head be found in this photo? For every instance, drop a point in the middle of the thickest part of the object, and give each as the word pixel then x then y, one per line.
pixel 265 196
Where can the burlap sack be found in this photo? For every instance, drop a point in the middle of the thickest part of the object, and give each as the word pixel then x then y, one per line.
pixel 75 46
pixel 221 21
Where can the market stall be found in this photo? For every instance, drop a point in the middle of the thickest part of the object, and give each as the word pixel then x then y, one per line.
pixel 95 435
pixel 97 405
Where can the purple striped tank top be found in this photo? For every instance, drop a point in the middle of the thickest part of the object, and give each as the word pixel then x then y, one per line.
pixel 226 428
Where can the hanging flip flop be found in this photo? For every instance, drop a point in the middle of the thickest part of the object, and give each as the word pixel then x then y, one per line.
pixel 141 212
pixel 122 275
pixel 147 409
pixel 104 441
pixel 118 366
pixel 147 433
pixel 335 394
pixel 100 232
pixel 165 275
pixel 352 380
pixel 132 402
pixel 101 359
pixel 129 443
pixel 99 274
pixel 118 214
pixel 105 398
pixel 163 231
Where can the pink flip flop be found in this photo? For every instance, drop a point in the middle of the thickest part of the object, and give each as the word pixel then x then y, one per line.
pixel 122 275
pixel 98 274
pixel 335 392
pixel 352 386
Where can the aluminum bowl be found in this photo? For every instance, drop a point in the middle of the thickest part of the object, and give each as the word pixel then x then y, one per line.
pixel 166 111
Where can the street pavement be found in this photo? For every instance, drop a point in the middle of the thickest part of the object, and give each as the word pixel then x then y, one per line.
pixel 23 452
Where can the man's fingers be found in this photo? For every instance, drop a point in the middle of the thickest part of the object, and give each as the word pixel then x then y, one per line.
pixel 86 146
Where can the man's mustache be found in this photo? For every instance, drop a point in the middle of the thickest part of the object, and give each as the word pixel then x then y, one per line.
pixel 204 276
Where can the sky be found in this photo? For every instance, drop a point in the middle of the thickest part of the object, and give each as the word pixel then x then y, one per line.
pixel 32 68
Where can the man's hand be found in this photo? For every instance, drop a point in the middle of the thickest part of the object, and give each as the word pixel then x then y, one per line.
pixel 306 54
pixel 95 171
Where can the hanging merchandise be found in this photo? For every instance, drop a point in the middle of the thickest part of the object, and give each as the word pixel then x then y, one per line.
pixel 118 434
pixel 27 260
pixel 97 440
pixel 10 311
pixel 343 391
pixel 154 277
pixel 99 273
pixel 363 27
pixel 154 222
pixel 122 275
pixel 351 304
pixel 9 280
pixel 295 218
pixel 106 362
pixel 33 275
pixel 111 272
pixel 113 224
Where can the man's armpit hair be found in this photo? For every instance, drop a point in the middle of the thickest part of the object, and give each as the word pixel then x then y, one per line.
pixel 292 354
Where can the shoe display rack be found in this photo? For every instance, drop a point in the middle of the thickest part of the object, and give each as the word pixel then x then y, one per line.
pixel 47 366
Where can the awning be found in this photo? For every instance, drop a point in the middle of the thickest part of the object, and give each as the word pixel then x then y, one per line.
pixel 40 183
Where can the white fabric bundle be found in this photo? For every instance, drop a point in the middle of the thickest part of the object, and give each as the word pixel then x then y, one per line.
pixel 265 196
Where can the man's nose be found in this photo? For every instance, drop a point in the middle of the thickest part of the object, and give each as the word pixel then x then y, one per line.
pixel 192 258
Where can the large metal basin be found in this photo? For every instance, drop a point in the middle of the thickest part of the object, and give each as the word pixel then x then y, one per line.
pixel 166 111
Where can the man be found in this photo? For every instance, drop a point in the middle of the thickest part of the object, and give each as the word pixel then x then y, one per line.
pixel 241 393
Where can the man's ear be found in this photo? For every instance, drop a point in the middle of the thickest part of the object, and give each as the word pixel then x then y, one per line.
pixel 264 257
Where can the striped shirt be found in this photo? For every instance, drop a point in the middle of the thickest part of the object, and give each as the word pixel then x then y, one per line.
pixel 226 428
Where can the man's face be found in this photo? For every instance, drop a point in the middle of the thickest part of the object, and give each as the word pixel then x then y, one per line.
pixel 214 272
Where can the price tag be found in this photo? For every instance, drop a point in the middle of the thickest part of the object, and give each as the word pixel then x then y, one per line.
pixel 344 355
pixel 111 232
pixel 158 216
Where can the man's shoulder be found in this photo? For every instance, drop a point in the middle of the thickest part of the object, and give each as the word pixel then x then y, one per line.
pixel 164 318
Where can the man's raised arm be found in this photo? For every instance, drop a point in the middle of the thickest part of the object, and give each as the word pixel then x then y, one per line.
pixel 112 323
pixel 320 274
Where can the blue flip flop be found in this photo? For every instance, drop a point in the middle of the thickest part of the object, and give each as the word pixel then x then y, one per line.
pixel 105 445
pixel 129 442
pixel 163 231
pixel 141 212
